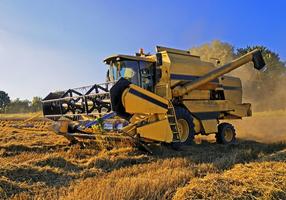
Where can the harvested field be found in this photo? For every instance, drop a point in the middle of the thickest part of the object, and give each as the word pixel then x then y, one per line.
pixel 38 164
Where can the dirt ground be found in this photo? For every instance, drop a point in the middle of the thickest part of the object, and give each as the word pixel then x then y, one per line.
pixel 35 163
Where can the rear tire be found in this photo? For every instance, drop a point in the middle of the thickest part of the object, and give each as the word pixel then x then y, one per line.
pixel 226 134
pixel 185 126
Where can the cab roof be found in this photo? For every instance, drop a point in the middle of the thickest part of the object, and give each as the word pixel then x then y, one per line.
pixel 120 57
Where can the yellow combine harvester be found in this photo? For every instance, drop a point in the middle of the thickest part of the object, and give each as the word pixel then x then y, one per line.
pixel 167 97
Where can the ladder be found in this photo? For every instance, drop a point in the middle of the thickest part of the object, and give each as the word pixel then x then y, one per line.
pixel 173 122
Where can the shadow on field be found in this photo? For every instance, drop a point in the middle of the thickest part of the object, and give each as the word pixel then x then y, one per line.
pixel 138 175
pixel 8 189
pixel 31 176
pixel 125 169
pixel 58 162
pixel 225 156
pixel 110 164
pixel 13 150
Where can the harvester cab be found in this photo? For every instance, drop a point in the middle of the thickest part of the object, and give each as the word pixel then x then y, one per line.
pixel 138 70
pixel 168 97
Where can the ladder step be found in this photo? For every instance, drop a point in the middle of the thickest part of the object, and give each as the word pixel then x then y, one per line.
pixel 174 129
pixel 171 117
pixel 176 138
pixel 172 121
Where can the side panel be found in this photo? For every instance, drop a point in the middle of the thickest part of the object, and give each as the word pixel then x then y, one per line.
pixel 188 65
pixel 232 89
pixel 217 109
pixel 162 87
pixel 210 126
pixel 138 100
pixel 203 106
pixel 158 131
pixel 240 110
pixel 178 68
pixel 206 114
pixel 197 95
pixel 209 111
pixel 187 68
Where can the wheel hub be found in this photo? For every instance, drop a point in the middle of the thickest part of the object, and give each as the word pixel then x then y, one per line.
pixel 228 135
pixel 183 129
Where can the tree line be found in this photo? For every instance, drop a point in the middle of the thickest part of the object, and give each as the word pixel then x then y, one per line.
pixel 19 106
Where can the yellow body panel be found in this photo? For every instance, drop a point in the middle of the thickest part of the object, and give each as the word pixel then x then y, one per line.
pixel 232 89
pixel 158 131
pixel 242 110
pixel 208 105
pixel 134 103
pixel 162 88
pixel 188 65
pixel 197 95
pixel 205 106
pixel 210 126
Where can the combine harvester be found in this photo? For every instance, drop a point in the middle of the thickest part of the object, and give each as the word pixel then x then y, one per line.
pixel 168 97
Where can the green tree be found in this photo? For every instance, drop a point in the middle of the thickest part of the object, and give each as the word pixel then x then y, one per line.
pixel 19 106
pixel 36 104
pixel 266 89
pixel 4 101
pixel 276 67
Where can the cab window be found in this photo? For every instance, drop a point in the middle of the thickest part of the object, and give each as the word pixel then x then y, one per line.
pixel 126 69
pixel 147 75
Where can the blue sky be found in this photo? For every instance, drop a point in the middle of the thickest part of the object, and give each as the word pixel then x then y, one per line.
pixel 58 44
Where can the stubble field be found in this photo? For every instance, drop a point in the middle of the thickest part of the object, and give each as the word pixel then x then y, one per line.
pixel 35 163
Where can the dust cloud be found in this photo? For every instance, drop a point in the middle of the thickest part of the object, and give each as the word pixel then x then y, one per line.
pixel 266 94
pixel 266 127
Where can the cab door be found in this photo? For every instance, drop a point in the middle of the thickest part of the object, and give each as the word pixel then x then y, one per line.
pixel 147 75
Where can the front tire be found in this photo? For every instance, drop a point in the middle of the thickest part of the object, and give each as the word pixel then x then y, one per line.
pixel 226 134
pixel 185 126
